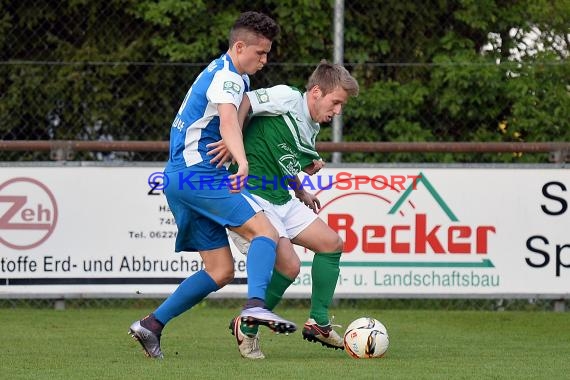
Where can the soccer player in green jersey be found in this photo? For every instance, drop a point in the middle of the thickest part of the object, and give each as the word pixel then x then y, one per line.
pixel 280 142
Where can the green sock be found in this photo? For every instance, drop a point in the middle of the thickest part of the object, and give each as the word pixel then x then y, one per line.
pixel 324 272
pixel 279 283
pixel 273 295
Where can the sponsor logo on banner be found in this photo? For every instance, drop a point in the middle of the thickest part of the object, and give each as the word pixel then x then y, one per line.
pixel 28 213
pixel 391 224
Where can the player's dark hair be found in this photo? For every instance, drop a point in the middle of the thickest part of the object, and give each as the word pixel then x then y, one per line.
pixel 329 76
pixel 254 22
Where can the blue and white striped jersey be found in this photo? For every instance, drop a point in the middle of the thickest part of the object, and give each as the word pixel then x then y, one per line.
pixel 197 123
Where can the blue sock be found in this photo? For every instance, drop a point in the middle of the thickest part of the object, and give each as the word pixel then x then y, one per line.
pixel 191 291
pixel 259 265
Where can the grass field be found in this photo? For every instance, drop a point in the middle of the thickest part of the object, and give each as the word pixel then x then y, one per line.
pixel 424 344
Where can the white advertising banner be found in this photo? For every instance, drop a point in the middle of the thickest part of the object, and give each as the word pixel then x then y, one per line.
pixel 408 232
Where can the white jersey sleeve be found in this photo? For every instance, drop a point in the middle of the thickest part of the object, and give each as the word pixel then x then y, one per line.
pixel 226 87
pixel 276 100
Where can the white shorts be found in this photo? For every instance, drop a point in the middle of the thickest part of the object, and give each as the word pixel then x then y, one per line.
pixel 288 219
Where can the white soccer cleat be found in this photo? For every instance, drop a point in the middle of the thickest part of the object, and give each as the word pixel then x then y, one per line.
pixel 248 346
pixel 260 316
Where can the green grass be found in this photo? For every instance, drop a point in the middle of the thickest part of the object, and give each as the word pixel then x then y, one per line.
pixel 424 344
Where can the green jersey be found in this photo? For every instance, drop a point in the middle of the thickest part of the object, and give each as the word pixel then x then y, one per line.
pixel 279 141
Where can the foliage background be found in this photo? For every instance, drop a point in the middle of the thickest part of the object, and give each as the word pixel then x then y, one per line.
pixel 436 70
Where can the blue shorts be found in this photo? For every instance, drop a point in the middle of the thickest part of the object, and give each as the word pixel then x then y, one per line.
pixel 203 207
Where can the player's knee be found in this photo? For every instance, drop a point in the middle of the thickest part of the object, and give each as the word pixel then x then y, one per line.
pixel 334 244
pixel 339 245
pixel 227 278
pixel 291 270
pixel 270 232
pixel 289 266
pixel 295 270
pixel 258 226
pixel 222 276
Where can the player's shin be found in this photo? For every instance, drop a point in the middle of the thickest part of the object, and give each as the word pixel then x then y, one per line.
pixel 324 272
pixel 260 262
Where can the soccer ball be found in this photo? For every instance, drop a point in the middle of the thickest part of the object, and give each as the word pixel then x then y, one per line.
pixel 366 338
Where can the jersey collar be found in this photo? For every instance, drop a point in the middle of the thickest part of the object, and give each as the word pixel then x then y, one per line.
pixel 228 58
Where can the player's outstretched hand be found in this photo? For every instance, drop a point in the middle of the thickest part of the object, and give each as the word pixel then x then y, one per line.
pixel 220 152
pixel 310 200
pixel 239 179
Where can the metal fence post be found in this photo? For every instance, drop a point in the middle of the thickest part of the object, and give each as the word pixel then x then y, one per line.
pixel 338 57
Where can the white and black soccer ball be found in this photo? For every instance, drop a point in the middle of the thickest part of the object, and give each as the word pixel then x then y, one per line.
pixel 366 338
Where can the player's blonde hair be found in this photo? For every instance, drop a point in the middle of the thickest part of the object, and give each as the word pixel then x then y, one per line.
pixel 329 76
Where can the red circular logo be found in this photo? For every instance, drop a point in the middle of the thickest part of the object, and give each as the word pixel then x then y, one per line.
pixel 28 213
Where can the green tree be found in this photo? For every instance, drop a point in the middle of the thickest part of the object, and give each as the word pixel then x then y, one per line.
pixel 438 70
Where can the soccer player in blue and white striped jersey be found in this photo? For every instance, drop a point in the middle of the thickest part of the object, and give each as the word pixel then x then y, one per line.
pixel 205 199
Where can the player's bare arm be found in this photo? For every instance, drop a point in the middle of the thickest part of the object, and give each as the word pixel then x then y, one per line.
pixel 243 111
pixel 233 140
pixel 218 149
